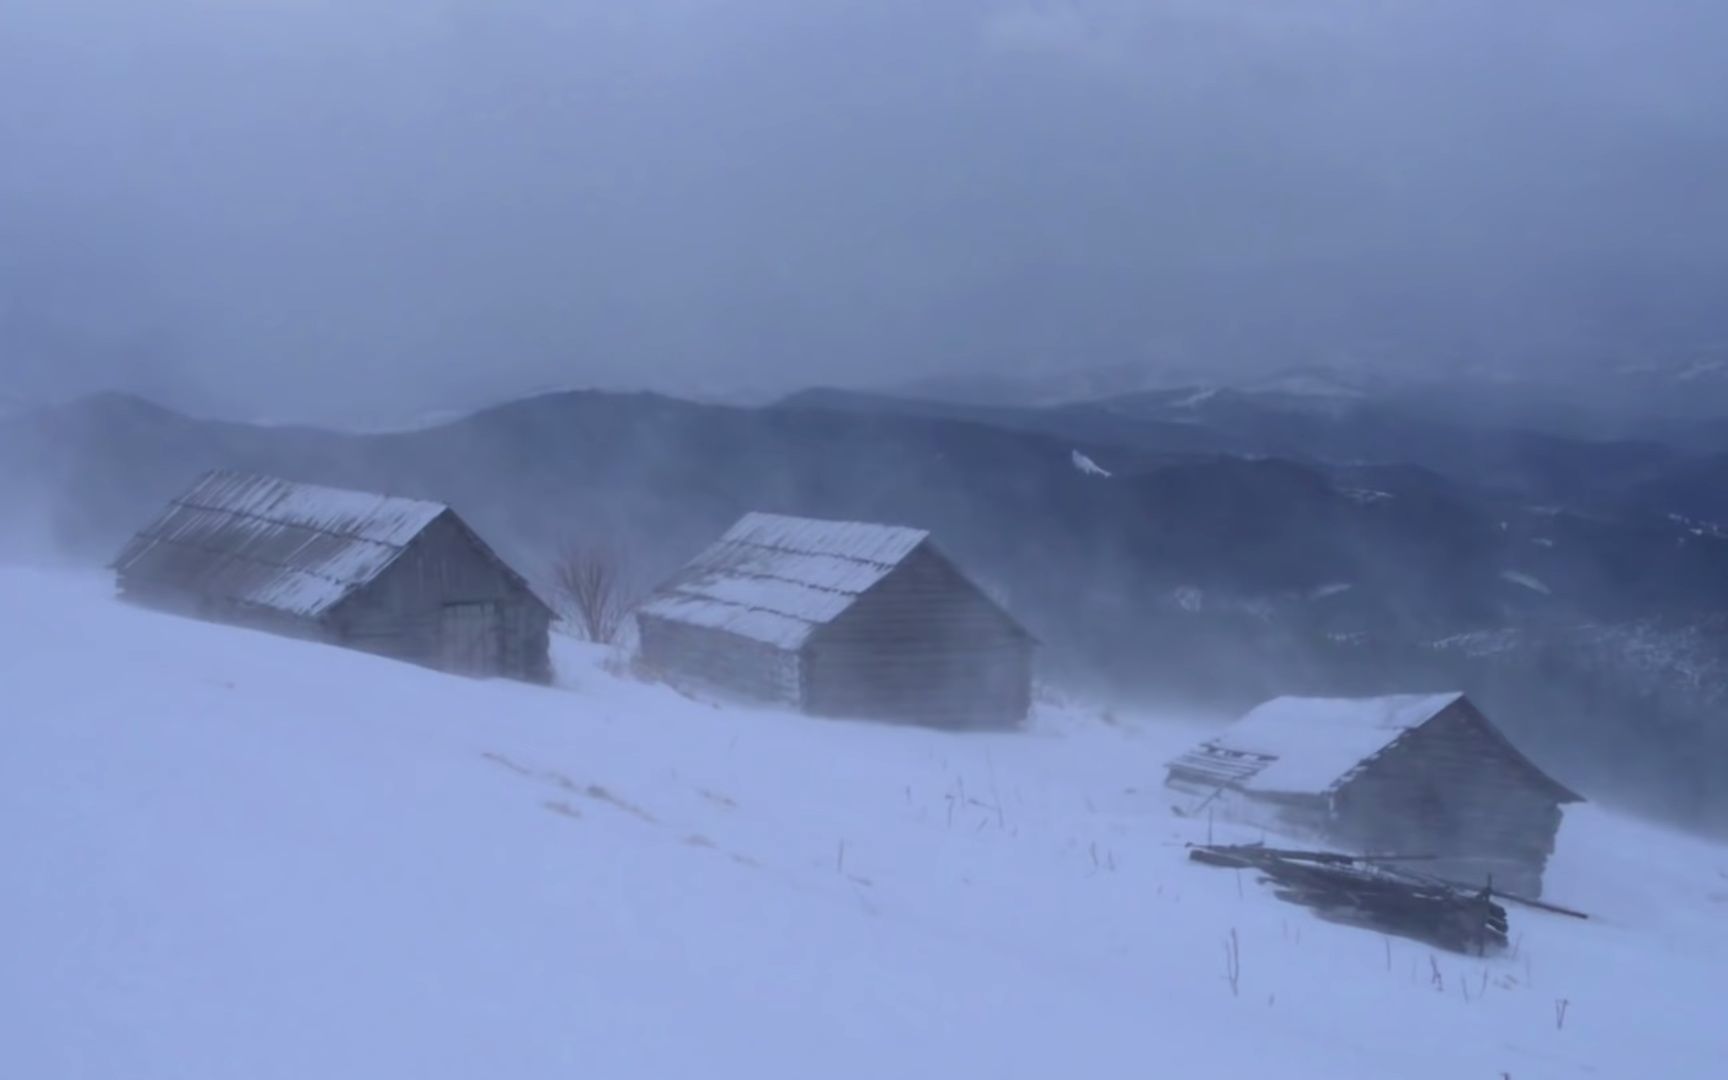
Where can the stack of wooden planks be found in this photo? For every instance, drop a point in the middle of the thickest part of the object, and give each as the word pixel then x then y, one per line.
pixel 1362 891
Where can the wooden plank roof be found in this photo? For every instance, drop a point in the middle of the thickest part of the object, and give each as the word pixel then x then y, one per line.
pixel 295 548
pixel 777 579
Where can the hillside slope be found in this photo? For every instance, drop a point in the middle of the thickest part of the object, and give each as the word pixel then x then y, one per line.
pixel 234 855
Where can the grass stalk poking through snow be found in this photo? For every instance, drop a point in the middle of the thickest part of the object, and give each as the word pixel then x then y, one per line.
pixel 1233 962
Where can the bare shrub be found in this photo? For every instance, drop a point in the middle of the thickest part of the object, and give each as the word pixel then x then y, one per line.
pixel 595 587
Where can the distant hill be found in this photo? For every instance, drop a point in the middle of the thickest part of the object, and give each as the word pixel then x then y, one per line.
pixel 1305 418
pixel 1203 570
pixel 1680 396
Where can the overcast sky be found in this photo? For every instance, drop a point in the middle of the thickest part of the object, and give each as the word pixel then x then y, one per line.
pixel 338 209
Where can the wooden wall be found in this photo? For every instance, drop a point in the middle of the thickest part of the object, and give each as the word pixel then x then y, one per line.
pixel 177 601
pixel 1449 789
pixel 924 646
pixel 708 660
pixel 399 613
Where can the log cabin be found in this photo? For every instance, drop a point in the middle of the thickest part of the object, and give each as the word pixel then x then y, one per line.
pixel 1422 775
pixel 840 619
pixel 402 578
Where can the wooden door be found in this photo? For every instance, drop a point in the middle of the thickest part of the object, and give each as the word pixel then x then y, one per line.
pixel 470 639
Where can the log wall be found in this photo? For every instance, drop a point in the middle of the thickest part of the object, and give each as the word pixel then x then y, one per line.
pixel 924 646
pixel 1449 789
pixel 711 661
pixel 400 613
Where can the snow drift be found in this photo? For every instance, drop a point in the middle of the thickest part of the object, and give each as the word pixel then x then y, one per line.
pixel 233 855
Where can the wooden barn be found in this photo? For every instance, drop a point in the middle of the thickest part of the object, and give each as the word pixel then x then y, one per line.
pixel 1410 775
pixel 839 619
pixel 398 577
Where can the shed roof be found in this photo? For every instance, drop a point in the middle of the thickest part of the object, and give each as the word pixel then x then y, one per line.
pixel 777 579
pixel 295 548
pixel 1313 746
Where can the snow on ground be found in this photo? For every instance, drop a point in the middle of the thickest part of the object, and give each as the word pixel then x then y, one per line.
pixel 1527 581
pixel 1086 466
pixel 1366 496
pixel 232 855
pixel 1199 397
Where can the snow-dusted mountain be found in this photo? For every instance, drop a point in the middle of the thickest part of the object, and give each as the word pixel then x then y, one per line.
pixel 1680 395
pixel 1068 385
pixel 237 855
pixel 1056 386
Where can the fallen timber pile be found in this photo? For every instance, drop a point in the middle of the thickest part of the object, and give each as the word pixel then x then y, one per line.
pixel 1364 891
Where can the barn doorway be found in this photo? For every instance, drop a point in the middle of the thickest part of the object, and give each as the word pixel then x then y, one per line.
pixel 470 639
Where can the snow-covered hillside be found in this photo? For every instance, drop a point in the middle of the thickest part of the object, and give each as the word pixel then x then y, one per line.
pixel 230 855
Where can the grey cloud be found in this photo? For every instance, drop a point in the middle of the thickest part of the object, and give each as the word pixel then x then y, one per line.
pixel 311 208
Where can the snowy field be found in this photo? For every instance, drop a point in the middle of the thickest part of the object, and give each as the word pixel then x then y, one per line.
pixel 232 856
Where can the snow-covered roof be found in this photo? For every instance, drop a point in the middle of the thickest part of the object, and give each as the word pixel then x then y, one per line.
pixel 258 540
pixel 1313 746
pixel 1307 746
pixel 776 579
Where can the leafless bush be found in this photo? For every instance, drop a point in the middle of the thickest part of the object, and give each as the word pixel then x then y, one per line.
pixel 594 586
